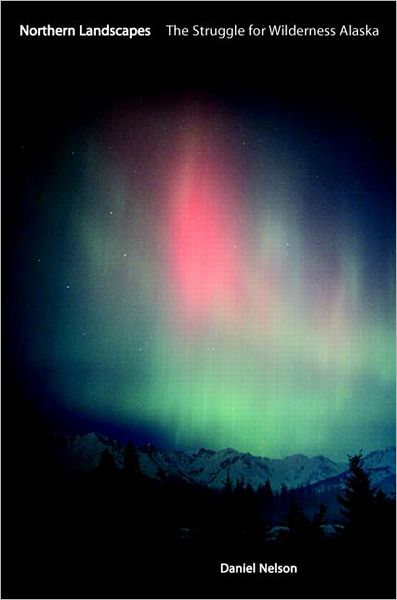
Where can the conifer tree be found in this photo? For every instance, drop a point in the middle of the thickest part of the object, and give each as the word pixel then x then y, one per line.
pixel 268 492
pixel 318 522
pixel 297 523
pixel 358 497
pixel 228 485
pixel 131 466
pixel 106 468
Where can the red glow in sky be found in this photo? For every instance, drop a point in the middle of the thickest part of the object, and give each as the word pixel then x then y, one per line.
pixel 204 241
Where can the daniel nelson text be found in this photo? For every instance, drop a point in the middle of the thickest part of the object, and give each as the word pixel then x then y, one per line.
pixel 253 568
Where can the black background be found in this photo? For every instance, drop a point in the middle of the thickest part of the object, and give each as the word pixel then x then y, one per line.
pixel 54 85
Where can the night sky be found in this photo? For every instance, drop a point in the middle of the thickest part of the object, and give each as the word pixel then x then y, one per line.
pixel 204 258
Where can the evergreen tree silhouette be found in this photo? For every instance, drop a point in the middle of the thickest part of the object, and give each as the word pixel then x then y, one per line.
pixel 358 499
pixel 268 492
pixel 317 524
pixel 106 468
pixel 368 513
pixel 319 518
pixel 298 524
pixel 228 485
pixel 131 467
pixel 249 491
pixel 267 496
pixel 305 533
pixel 283 499
pixel 239 488
pixel 367 538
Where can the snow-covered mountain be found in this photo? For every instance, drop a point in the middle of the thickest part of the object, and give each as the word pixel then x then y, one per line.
pixel 379 464
pixel 82 452
pixel 211 468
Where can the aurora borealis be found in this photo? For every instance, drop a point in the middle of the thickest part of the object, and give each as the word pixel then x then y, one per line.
pixel 215 282
pixel 198 268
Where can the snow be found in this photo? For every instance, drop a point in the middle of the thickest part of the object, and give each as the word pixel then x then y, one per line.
pixel 211 468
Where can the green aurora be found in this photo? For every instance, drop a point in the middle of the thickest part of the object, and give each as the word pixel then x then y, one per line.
pixel 215 286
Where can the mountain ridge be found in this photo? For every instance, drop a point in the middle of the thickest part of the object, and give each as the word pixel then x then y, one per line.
pixel 81 453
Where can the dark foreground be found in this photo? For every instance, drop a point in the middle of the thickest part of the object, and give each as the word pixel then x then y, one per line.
pixel 117 534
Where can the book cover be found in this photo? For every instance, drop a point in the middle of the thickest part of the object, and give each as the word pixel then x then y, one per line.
pixel 198 299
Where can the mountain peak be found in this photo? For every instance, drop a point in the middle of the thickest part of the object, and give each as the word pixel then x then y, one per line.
pixel 211 468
